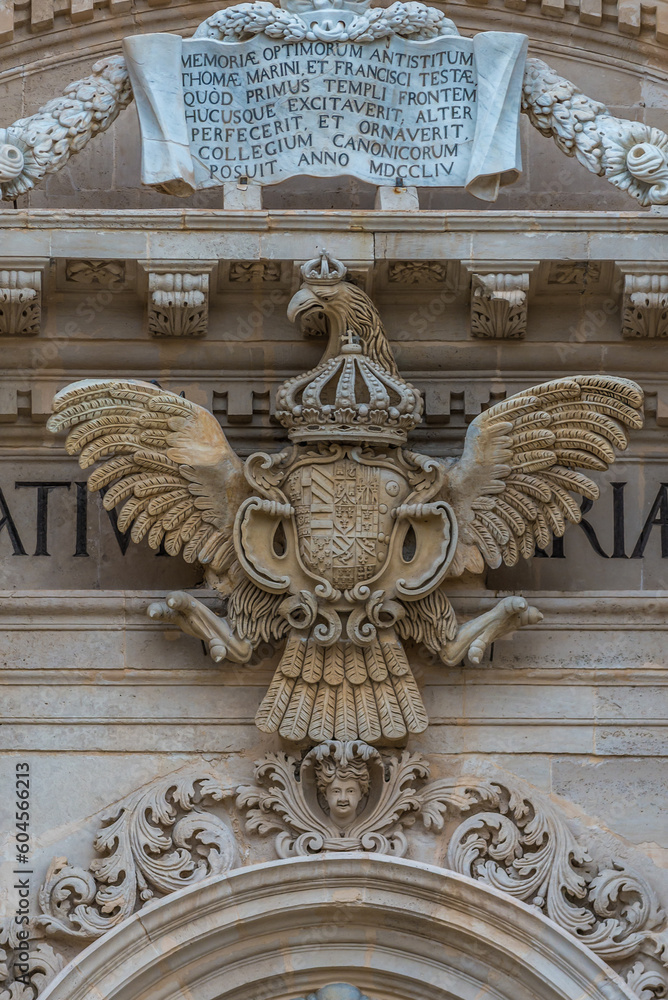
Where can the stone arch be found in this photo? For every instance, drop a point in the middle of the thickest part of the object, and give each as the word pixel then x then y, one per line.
pixel 396 929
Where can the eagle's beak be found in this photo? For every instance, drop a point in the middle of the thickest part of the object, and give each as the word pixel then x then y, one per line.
pixel 301 301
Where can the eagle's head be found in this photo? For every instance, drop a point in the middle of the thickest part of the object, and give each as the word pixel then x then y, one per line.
pixel 328 305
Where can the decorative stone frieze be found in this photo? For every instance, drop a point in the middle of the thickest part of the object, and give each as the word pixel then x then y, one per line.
pixel 574 274
pixel 20 303
pixel 178 303
pixel 499 305
pixel 95 273
pixel 416 272
pixel 246 271
pixel 645 306
pixel 342 544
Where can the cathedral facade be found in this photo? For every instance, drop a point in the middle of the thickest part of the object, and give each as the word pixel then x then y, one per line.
pixel 333 500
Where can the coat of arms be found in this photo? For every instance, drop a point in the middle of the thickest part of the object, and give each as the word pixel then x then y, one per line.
pixel 341 546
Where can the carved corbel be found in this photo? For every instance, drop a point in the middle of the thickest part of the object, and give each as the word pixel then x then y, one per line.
pixel 499 305
pixel 178 302
pixel 645 306
pixel 20 303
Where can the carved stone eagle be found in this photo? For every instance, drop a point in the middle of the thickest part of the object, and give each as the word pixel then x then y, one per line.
pixel 342 545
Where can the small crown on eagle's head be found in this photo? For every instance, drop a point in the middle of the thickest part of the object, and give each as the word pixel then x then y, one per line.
pixel 323 270
pixel 349 398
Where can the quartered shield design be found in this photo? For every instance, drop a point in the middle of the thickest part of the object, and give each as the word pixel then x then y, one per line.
pixel 344 519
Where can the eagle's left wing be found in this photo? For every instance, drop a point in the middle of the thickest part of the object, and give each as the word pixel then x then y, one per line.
pixel 512 488
pixel 165 459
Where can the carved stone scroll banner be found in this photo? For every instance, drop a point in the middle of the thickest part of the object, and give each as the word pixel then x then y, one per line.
pixel 438 112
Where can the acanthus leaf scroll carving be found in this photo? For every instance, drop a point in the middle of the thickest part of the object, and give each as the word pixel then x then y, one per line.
pixel 245 271
pixel 20 303
pixel 349 796
pixel 416 272
pixel 342 545
pixel 518 842
pixel 645 306
pixel 499 306
pixel 577 273
pixel 324 803
pixel 157 841
pixel 343 796
pixel 178 304
pixel 39 962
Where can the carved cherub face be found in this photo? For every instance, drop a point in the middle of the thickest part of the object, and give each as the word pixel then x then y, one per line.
pixel 342 787
pixel 343 797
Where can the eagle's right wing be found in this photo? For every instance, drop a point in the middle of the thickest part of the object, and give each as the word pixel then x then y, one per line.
pixel 165 459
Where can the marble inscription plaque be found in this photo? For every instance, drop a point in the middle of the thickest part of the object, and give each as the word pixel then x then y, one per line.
pixel 441 112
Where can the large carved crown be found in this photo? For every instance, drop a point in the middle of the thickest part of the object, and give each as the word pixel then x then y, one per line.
pixel 349 398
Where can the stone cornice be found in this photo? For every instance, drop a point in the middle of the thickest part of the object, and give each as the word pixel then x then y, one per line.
pixel 146 221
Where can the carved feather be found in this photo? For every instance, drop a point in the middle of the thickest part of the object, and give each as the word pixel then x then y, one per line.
pixel 355 666
pixel 527 544
pixel 580 459
pixel 178 513
pixel 115 468
pixel 368 722
pixel 272 709
pixel 569 479
pixel 293 657
pixel 113 444
pixel 395 657
pixel 156 534
pixel 615 408
pixel 389 713
pixel 511 552
pixel 410 703
pixel 510 515
pixel 312 667
pixel 568 505
pixel 321 727
pixel 122 490
pixel 295 723
pixel 333 665
pixel 496 527
pixel 533 486
pixel 345 726
pixel 375 661
pixel 555 517
pixel 541 531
